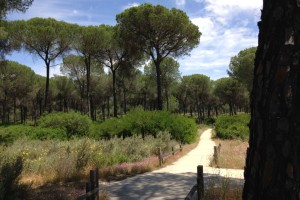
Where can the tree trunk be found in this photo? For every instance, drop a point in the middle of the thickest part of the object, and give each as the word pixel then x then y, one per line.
pixel 145 101
pixel 114 93
pixel 21 114
pixel 87 61
pixel 273 159
pixel 108 108
pixel 103 111
pixel 25 114
pixel 4 108
pixel 124 100
pixel 167 97
pixel 47 84
pixel 15 110
pixel 216 111
pixel 158 84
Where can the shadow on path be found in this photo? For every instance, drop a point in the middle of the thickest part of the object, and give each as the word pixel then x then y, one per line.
pixel 159 186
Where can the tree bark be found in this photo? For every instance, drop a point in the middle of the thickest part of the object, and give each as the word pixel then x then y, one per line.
pixel 124 100
pixel 87 61
pixel 15 110
pixel 273 160
pixel 158 84
pixel 4 108
pixel 108 107
pixel 114 93
pixel 47 83
pixel 167 96
pixel 103 111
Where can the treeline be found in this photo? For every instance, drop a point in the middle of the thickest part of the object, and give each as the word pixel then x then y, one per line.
pixel 23 92
pixel 144 34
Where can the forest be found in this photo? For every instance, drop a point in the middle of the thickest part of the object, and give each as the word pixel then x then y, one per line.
pixel 102 76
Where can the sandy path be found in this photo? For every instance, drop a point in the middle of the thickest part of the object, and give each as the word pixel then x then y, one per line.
pixel 201 155
pixel 173 181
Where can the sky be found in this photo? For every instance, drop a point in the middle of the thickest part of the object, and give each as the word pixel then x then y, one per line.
pixel 227 27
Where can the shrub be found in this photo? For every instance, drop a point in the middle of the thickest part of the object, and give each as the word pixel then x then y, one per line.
pixel 209 121
pixel 139 122
pixel 108 129
pixel 11 133
pixel 233 127
pixel 183 129
pixel 73 123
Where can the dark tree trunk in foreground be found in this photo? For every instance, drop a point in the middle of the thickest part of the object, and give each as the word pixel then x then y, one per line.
pixel 273 159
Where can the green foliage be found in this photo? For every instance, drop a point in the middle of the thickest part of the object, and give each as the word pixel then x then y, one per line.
pixel 151 29
pixel 13 5
pixel 241 67
pixel 233 127
pixel 139 122
pixel 108 129
pixel 209 121
pixel 136 23
pixel 11 133
pixel 73 123
pixel 231 92
pixel 10 171
pixel 183 129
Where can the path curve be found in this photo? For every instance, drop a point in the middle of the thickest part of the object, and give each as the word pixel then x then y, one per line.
pixel 173 181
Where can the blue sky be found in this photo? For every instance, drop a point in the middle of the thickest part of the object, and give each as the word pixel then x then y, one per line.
pixel 227 26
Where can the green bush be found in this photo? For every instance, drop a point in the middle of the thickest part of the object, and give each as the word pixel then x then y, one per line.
pixel 108 129
pixel 11 133
pixel 183 129
pixel 73 123
pixel 233 127
pixel 139 122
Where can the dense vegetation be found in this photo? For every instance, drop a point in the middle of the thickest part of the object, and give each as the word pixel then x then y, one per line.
pixel 233 127
pixel 85 87
pixel 65 126
pixel 62 146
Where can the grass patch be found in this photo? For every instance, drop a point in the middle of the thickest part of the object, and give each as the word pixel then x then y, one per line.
pixel 54 161
pixel 232 154
pixel 223 192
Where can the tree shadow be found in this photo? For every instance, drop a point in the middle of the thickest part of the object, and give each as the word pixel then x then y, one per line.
pixel 160 186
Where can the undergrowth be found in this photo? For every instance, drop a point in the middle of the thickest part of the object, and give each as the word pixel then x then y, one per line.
pixel 232 127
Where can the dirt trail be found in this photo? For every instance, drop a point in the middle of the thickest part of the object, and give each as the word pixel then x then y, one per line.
pixel 173 181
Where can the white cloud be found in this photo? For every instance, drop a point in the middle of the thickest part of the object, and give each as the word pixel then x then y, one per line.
pixel 242 4
pixel 224 10
pixel 180 2
pixel 130 5
pixel 218 43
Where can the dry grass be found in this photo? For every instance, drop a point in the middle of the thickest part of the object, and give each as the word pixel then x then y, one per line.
pixel 223 188
pixel 66 191
pixel 223 194
pixel 232 154
pixel 45 189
